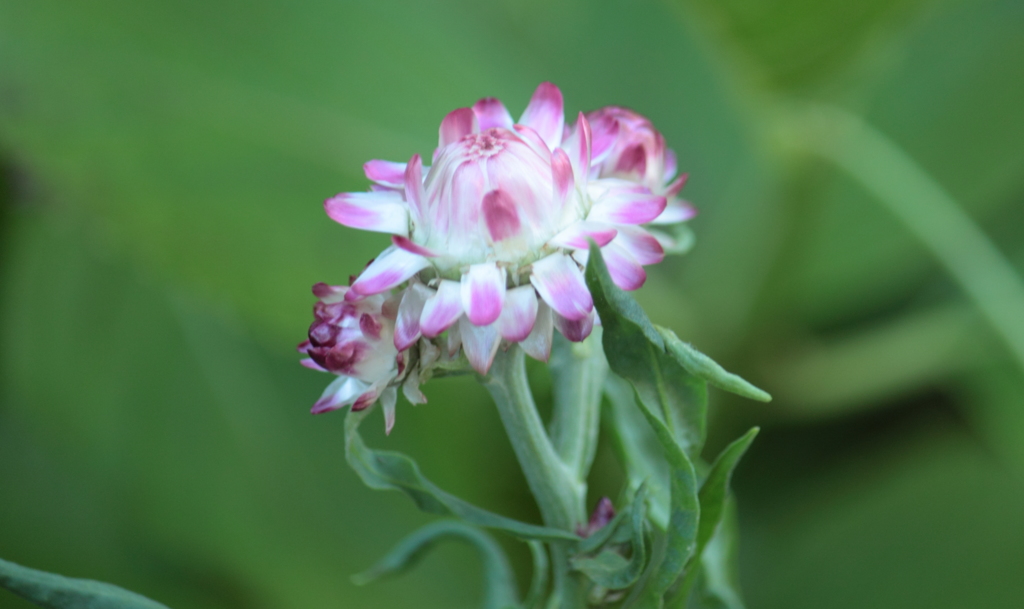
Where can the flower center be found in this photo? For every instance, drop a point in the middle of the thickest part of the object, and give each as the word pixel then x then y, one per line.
pixel 483 145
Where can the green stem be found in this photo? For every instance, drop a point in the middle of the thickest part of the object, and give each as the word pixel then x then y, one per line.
pixel 578 370
pixel 558 494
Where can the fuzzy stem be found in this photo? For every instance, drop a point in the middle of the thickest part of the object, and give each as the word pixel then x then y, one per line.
pixel 578 370
pixel 559 495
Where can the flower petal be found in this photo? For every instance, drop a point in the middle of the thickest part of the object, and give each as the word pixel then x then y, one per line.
pixel 641 245
pixel 491 113
pixel 533 140
pixel 671 166
pixel 459 123
pixel 412 179
pixel 343 391
pixel 518 314
pixel 676 185
pixel 407 325
pixel 442 309
pixel 621 202
pixel 577 330
pixel 577 235
pixel 309 363
pixel 454 340
pixel 383 212
pixel 411 388
pixel 545 114
pixel 391 268
pixel 625 271
pixel 480 344
pixel 500 215
pixel 388 399
pixel 538 344
pixel 562 176
pixel 483 291
pixel 676 211
pixel 577 146
pixel 604 133
pixel 413 248
pixel 560 283
pixel 387 173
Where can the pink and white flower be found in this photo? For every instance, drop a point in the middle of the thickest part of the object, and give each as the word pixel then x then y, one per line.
pixel 354 340
pixel 635 151
pixel 492 236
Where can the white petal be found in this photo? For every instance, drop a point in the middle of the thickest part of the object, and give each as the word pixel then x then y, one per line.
pixel 641 245
pixel 342 392
pixel 480 344
pixel 545 114
pixel 577 235
pixel 625 271
pixel 442 309
pixel 391 268
pixel 560 283
pixel 538 344
pixel 411 388
pixel 388 399
pixel 491 113
pixel 383 212
pixel 407 324
pixel 483 292
pixel 518 314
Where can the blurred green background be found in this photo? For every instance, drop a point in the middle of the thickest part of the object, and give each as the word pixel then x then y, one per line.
pixel 163 167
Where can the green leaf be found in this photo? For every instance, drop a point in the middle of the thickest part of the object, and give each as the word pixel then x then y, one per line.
pixel 499 580
pixel 609 568
pixel 719 582
pixel 394 471
pixel 713 495
pixel 684 513
pixel 59 592
pixel 636 351
pixel 700 365
pixel 715 490
pixel 636 447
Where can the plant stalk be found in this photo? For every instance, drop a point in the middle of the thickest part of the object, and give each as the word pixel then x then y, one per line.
pixel 558 493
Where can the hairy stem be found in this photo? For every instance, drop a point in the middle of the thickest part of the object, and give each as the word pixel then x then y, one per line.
pixel 558 493
pixel 578 370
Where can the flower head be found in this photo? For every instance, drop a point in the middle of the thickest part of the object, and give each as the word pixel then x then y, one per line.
pixel 354 340
pixel 636 151
pixel 492 236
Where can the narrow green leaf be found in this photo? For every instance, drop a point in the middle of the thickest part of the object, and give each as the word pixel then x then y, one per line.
pixel 713 495
pixel 637 448
pixel 684 513
pixel 388 470
pixel 499 580
pixel 700 365
pixel 539 582
pixel 636 351
pixel 58 592
pixel 719 582
pixel 715 490
pixel 611 569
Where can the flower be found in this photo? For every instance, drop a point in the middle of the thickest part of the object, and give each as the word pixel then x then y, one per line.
pixel 492 236
pixel 354 340
pixel 636 152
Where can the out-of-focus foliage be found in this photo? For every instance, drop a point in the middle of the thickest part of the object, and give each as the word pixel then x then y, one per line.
pixel 163 168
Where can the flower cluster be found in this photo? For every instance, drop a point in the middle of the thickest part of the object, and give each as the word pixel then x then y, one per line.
pixel 489 241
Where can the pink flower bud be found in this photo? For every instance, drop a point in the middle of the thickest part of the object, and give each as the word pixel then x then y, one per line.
pixel 354 340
